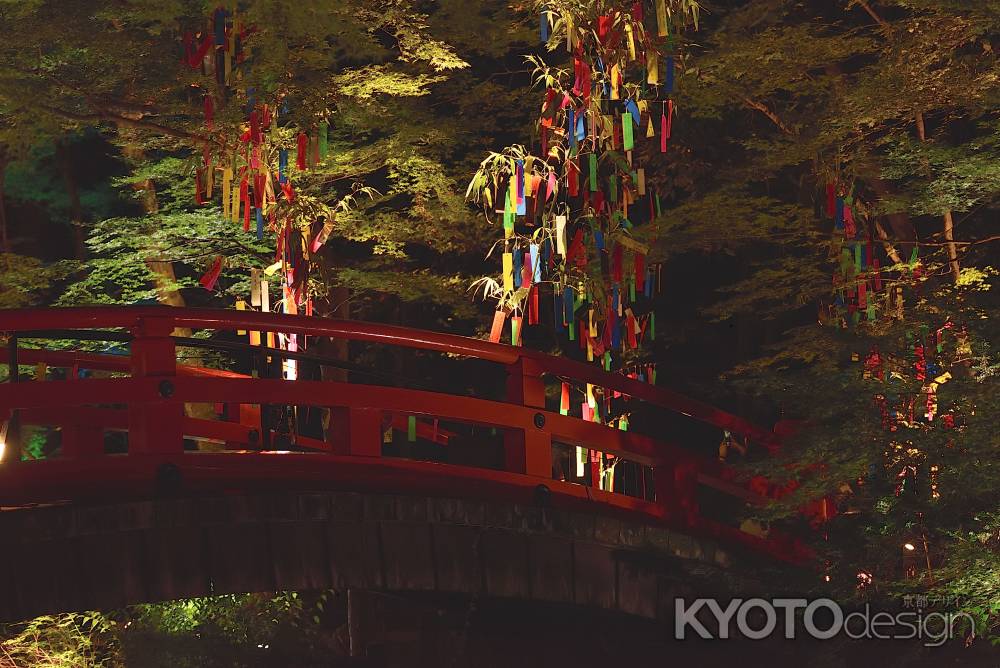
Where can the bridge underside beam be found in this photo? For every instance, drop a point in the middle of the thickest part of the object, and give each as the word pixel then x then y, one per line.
pixel 93 557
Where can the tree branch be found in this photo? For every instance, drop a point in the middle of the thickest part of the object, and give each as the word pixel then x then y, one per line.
pixel 763 108
pixel 138 124
pixel 878 19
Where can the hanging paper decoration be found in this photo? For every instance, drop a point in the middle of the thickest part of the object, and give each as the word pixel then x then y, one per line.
pixel 211 277
pixel 570 204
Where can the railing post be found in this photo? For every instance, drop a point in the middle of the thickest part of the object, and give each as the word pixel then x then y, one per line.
pixel 527 450
pixel 676 484
pixel 356 431
pixel 155 426
pixel 11 452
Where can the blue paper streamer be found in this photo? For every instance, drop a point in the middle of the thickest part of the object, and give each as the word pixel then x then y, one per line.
pixel 536 266
pixel 558 312
pixel 519 178
pixel 282 165
pixel 633 109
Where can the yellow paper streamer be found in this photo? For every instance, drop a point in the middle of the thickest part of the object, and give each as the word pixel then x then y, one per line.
pixel 227 187
pixel 508 272
pixel 235 208
pixel 661 18
pixel 630 39
pixel 241 306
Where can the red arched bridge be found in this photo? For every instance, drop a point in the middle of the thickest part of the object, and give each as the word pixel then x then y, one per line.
pixel 146 398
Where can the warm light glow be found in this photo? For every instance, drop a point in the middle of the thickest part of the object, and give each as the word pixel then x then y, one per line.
pixel 908 547
pixel 826 578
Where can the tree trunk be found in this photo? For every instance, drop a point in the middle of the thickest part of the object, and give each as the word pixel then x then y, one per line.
pixel 948 225
pixel 73 193
pixel 164 277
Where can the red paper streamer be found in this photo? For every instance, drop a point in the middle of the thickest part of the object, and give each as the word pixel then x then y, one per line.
pixel 576 252
pixel 211 277
pixel 302 148
pixel 497 329
pixel 663 132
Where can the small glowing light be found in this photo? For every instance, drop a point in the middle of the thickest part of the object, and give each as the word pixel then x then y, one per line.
pixel 826 578
pixel 908 547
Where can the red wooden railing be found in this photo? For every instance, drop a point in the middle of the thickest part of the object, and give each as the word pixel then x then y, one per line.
pixel 149 404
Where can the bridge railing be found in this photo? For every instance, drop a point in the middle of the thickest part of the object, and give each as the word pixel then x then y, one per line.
pixel 149 404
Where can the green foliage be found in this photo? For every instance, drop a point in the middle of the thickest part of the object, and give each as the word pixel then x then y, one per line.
pixel 242 619
pixel 67 640
pixel 27 281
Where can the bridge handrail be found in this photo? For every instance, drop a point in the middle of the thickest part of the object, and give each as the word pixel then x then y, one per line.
pixel 533 362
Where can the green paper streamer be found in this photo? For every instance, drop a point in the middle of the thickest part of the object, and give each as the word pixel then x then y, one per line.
pixel 572 331
pixel 871 311
pixel 324 128
pixel 652 326
pixel 613 188
pixel 411 428
pixel 631 289
pixel 657 198
pixel 845 261
pixel 508 216
pixel 857 258
pixel 627 141
pixel 513 332
pixel 593 172
pixel 607 360
pixel 913 255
